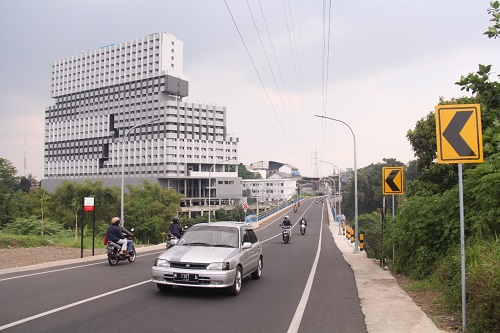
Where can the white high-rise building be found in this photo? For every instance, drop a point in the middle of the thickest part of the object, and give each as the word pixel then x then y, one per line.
pixel 101 94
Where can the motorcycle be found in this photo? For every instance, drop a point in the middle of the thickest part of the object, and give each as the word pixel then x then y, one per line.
pixel 302 228
pixel 295 209
pixel 173 240
pixel 113 249
pixel 286 234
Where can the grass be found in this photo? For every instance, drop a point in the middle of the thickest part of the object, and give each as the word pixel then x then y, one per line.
pixel 428 295
pixel 19 241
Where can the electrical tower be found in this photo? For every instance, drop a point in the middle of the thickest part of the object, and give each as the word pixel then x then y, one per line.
pixel 315 163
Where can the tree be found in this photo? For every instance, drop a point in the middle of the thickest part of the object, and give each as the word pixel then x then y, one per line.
pixel 369 189
pixel 494 10
pixel 245 174
pixel 8 186
pixel 75 204
pixel 43 201
pixel 24 184
pixel 435 178
pixel 488 94
pixel 371 226
pixel 149 209
pixel 237 214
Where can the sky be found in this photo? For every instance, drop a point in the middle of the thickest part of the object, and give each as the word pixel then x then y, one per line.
pixel 378 66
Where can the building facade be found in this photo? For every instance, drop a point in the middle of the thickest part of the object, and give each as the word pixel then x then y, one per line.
pixel 120 107
pixel 271 189
pixel 268 168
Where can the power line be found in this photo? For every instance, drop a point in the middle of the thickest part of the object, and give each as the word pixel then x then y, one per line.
pixel 260 79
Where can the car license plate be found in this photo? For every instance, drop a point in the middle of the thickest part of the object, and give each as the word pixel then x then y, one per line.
pixel 185 277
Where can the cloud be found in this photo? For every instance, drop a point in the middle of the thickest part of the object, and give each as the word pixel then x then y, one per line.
pixel 389 62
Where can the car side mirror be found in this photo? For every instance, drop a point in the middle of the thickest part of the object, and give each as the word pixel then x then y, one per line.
pixel 246 245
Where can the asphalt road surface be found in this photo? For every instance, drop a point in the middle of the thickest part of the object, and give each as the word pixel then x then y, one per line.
pixel 306 286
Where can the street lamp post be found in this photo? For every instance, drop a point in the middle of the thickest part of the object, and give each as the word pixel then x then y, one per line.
pixel 335 196
pixel 210 185
pixel 258 196
pixel 122 216
pixel 356 241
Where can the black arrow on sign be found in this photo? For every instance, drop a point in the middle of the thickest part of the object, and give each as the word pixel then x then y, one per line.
pixel 452 133
pixel 390 181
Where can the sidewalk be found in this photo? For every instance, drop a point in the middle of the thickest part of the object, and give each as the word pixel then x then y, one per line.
pixel 387 308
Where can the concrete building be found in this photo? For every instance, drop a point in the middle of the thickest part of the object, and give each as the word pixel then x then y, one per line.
pixel 99 95
pixel 271 189
pixel 271 167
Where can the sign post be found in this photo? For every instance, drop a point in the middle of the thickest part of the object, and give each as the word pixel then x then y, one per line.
pixel 460 140
pixel 88 206
pixel 245 208
pixel 392 180
pixel 392 183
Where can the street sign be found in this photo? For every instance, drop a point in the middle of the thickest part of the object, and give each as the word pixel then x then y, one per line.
pixel 392 180
pixel 244 206
pixel 88 204
pixel 459 133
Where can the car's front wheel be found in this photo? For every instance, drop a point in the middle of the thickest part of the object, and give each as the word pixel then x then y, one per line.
pixel 258 272
pixel 235 289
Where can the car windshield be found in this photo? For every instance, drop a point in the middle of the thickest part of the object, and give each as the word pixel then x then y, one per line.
pixel 211 236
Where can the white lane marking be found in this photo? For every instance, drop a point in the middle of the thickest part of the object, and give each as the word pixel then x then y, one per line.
pixel 52 271
pixel 67 268
pixel 297 318
pixel 15 323
pixel 258 229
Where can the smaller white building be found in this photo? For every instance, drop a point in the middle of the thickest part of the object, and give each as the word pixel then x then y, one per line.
pixel 271 189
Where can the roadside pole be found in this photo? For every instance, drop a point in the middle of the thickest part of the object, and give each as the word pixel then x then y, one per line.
pixel 459 140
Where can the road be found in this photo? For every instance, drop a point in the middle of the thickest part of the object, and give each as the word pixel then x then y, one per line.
pixel 306 286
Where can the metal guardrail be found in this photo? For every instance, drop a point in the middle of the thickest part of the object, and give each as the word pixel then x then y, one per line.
pixel 275 209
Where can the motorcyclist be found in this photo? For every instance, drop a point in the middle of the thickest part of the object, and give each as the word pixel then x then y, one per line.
pixel 175 228
pixel 287 223
pixel 114 234
pixel 303 220
pixel 130 243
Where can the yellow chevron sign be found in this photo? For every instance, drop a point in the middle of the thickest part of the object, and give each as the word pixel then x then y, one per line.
pixel 459 133
pixel 392 180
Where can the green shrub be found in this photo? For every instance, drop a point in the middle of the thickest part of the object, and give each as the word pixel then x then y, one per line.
pixel 33 226
pixel 370 224
pixel 9 240
pixel 483 286
pixel 482 283
pixel 63 238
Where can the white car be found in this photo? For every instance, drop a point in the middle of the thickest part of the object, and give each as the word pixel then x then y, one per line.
pixel 211 255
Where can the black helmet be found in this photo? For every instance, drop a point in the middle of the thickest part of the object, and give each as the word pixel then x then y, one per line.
pixel 175 219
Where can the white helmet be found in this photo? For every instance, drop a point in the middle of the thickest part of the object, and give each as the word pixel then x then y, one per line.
pixel 286 217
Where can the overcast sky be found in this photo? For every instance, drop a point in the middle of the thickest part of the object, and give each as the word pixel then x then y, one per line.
pixel 389 61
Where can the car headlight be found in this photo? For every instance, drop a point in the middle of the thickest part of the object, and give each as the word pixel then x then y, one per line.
pixel 221 266
pixel 162 262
